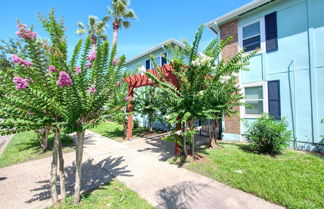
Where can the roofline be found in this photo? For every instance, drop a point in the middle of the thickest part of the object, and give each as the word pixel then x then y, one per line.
pixel 237 12
pixel 161 45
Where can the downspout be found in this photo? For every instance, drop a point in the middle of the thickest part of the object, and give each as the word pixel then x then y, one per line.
pixel 292 93
pixel 215 29
pixel 312 75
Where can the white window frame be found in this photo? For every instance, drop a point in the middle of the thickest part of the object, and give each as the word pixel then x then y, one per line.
pixel 262 34
pixel 264 85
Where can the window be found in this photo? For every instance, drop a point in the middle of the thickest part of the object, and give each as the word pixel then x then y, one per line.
pixel 256 96
pixel 164 59
pixel 148 64
pixel 158 61
pixel 252 36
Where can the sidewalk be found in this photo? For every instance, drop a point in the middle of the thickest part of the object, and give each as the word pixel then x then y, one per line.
pixel 165 185
pixel 137 164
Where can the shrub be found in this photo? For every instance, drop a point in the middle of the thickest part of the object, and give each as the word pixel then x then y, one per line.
pixel 268 135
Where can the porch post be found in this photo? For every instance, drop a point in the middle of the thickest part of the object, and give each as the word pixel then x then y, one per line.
pixel 130 116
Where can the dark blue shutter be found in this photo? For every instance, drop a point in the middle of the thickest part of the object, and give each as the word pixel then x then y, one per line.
pixel 164 59
pixel 147 64
pixel 274 99
pixel 271 32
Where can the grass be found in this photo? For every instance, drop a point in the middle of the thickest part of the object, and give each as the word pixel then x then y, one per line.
pixel 25 146
pixel 112 195
pixel 115 131
pixel 292 179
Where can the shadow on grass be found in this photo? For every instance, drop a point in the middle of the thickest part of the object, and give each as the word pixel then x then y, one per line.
pixel 34 144
pixel 94 175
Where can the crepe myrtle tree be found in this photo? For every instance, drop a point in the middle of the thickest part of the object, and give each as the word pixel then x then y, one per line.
pixel 117 107
pixel 30 95
pixel 48 89
pixel 207 87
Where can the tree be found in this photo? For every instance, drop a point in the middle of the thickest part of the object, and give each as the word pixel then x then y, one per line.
pixel 207 87
pixel 121 15
pixel 148 102
pixel 117 108
pixel 95 28
pixel 48 89
pixel 29 97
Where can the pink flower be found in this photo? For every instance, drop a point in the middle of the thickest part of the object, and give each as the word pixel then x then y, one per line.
pixel 126 98
pixel 24 33
pixel 88 65
pixel 21 83
pixel 92 89
pixel 77 70
pixel 64 79
pixel 20 61
pixel 123 109
pixel 115 61
pixel 52 68
pixel 92 55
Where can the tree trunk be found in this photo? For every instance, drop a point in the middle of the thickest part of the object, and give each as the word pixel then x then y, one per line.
pixel 191 126
pixel 78 164
pixel 54 172
pixel 185 151
pixel 115 33
pixel 151 121
pixel 42 135
pixel 61 164
pixel 125 129
pixel 213 137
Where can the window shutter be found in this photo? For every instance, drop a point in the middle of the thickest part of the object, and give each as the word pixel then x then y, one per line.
pixel 271 32
pixel 147 64
pixel 274 99
pixel 164 59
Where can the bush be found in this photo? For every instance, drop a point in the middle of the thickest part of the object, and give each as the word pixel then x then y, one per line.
pixel 268 135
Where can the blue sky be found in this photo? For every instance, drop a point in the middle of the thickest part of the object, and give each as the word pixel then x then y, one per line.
pixel 157 20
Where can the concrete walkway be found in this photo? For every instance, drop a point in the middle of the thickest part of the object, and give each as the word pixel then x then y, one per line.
pixel 138 165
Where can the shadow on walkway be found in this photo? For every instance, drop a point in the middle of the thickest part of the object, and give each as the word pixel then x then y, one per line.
pixel 157 145
pixel 183 195
pixel 93 175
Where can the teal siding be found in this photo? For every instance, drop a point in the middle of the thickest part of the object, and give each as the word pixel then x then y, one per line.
pixel 298 64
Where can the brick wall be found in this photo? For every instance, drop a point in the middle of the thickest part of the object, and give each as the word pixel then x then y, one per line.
pixel 232 124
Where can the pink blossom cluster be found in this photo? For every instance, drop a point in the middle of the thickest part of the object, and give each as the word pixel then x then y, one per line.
pixel 77 70
pixel 24 33
pixel 88 65
pixel 92 56
pixel 123 109
pixel 115 61
pixel 52 68
pixel 126 98
pixel 21 83
pixel 64 79
pixel 92 89
pixel 20 61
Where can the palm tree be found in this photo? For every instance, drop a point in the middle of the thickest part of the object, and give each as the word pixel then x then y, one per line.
pixel 121 14
pixel 96 29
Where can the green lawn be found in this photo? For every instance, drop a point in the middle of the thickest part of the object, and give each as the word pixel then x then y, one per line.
pixel 114 130
pixel 25 146
pixel 112 195
pixel 293 179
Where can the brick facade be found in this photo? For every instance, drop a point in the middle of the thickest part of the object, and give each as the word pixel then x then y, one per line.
pixel 232 124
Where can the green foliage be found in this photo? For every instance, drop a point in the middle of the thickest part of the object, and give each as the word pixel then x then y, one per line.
pixel 121 14
pixel 207 87
pixel 94 28
pixel 293 179
pixel 44 102
pixel 268 135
